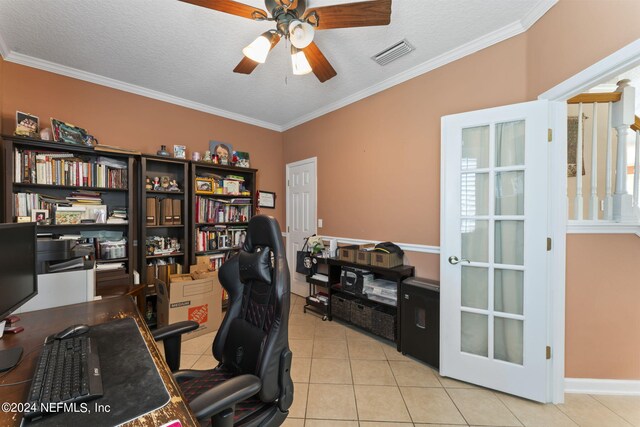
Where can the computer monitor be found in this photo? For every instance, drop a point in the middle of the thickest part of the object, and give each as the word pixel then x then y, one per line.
pixel 18 277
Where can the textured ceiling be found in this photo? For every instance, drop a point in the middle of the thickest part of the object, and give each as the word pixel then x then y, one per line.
pixel 188 53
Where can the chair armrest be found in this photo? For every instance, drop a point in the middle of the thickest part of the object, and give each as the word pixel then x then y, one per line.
pixel 225 395
pixel 175 329
pixel 171 337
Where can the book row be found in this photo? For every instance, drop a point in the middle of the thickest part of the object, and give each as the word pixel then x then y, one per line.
pixel 219 238
pixel 36 167
pixel 210 210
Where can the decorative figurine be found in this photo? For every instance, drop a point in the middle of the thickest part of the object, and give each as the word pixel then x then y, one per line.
pixel 207 156
pixel 156 183
pixel 173 185
pixel 147 184
pixel 164 183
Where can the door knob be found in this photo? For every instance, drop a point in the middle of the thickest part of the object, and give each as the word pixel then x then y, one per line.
pixel 453 260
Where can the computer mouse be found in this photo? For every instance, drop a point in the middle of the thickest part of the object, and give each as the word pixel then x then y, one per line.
pixel 72 331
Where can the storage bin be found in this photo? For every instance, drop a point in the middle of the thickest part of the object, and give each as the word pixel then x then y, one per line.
pixel 341 306
pixel 383 259
pixel 383 322
pixel 362 314
pixel 348 253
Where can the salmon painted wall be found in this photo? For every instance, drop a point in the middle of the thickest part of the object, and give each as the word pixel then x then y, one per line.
pixel 603 300
pixel 602 316
pixel 124 119
pixel 379 158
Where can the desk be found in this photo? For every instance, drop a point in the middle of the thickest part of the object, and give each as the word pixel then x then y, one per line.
pixel 39 324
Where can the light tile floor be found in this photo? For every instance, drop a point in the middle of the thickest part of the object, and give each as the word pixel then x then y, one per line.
pixel 346 378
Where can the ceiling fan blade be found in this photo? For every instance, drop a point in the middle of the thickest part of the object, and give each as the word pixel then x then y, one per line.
pixel 319 63
pixel 246 65
pixel 363 14
pixel 228 6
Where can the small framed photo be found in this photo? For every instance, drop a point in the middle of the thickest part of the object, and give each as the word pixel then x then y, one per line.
pixel 39 215
pixel 27 124
pixel 204 186
pixel 242 159
pixel 267 199
pixel 180 151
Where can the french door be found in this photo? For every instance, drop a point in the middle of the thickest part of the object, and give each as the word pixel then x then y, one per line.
pixel 494 248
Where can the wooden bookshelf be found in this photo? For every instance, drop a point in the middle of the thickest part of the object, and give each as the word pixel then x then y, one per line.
pixel 175 169
pixel 113 196
pixel 219 172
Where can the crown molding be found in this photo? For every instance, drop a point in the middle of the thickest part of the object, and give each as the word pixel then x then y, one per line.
pixel 4 49
pixel 52 67
pixel 506 32
pixel 474 46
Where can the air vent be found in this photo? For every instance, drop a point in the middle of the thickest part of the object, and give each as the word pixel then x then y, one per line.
pixel 393 52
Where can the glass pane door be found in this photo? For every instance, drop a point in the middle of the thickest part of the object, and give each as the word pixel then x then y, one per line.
pixel 492 225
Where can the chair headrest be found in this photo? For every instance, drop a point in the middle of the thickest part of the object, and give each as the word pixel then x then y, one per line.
pixel 255 265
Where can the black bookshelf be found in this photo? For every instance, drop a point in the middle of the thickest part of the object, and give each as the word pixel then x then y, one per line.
pixel 121 196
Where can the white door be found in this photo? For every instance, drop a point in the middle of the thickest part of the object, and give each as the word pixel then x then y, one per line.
pixel 494 248
pixel 301 215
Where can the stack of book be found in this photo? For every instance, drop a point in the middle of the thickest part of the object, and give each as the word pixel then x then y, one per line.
pixel 84 197
pixel 118 216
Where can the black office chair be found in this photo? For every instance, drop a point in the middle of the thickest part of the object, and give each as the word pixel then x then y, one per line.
pixel 252 384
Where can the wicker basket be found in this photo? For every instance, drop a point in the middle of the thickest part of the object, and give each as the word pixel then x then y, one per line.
pixel 383 322
pixel 341 306
pixel 362 314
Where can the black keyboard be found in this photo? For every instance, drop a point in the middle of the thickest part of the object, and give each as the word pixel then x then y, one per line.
pixel 67 372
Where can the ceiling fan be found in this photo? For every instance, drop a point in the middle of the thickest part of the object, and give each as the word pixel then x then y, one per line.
pixel 298 24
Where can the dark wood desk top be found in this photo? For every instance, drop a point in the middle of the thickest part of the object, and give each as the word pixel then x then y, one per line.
pixel 39 324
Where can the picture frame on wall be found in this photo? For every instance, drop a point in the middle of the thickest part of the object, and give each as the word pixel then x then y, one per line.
pixel 204 186
pixel 267 199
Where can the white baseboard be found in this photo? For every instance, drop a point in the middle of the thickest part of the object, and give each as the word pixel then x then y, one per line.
pixel 598 386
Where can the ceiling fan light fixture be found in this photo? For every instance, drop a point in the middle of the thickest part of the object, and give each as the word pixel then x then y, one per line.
pixel 299 62
pixel 259 48
pixel 300 33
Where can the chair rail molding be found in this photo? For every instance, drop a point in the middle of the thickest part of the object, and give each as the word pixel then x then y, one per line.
pixel 409 247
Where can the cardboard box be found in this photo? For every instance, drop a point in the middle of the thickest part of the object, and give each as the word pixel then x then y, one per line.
pixel 195 296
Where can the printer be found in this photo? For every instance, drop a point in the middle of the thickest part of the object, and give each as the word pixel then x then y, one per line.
pixel 64 276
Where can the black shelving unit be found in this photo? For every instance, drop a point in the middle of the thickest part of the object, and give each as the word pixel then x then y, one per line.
pixel 152 166
pixel 123 196
pixel 395 274
pixel 211 170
